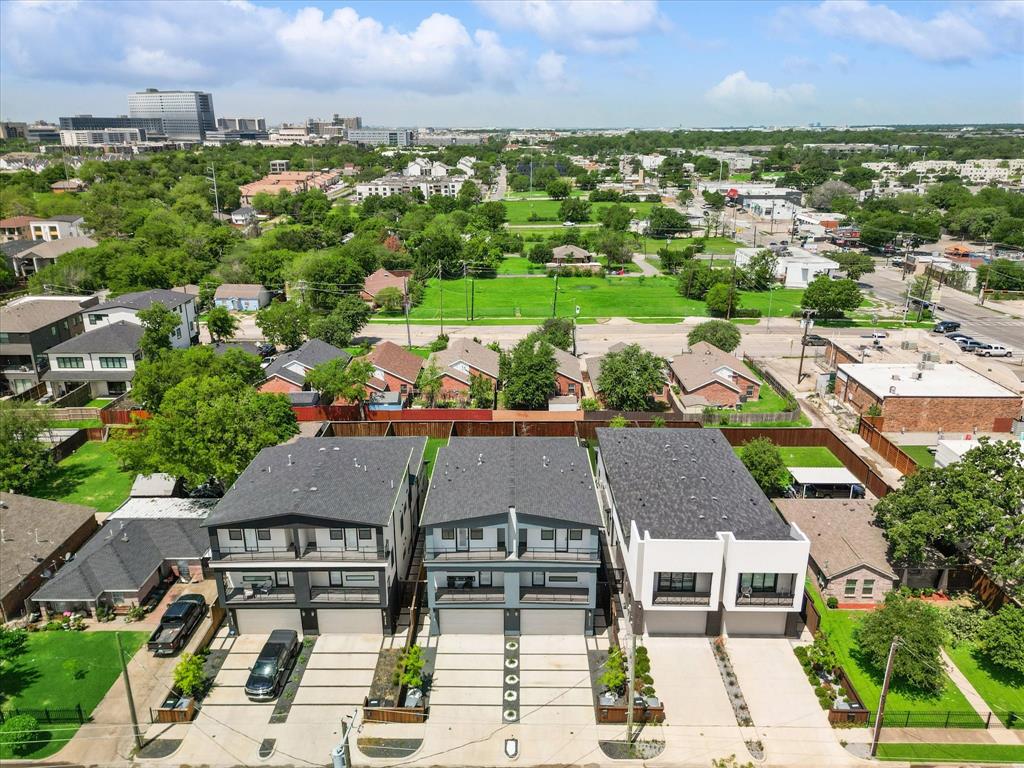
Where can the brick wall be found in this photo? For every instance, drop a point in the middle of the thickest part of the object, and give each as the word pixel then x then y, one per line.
pixel 951 414
pixel 562 385
pixel 837 587
pixel 279 385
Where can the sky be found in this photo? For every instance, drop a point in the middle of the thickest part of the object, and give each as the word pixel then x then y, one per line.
pixel 525 63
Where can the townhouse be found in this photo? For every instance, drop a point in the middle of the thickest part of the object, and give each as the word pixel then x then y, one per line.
pixel 29 326
pixel 702 548
pixel 317 535
pixel 126 308
pixel 512 532
pixel 58 227
pixel 105 359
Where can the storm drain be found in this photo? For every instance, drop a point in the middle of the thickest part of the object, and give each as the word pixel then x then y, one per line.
pixel 510 682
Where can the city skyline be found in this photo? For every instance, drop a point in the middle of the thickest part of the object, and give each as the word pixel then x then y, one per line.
pixel 522 64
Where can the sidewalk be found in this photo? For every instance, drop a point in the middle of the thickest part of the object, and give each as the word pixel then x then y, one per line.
pixel 999 732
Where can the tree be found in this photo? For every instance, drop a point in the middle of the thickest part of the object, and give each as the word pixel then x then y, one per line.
pixel 155 376
pixel 410 667
pixel 615 676
pixel 208 429
pixel 541 253
pixel 858 177
pixel 722 299
pixel 556 331
pixel 430 382
pixel 24 458
pixel 469 195
pixel 339 379
pixel 822 196
pixel 759 273
pixel 346 320
pixel 574 209
pixel 831 298
pixel 158 324
pixel 189 675
pixel 630 378
pixel 1001 639
pixel 390 299
pixel 12 643
pixel 920 629
pixel 19 734
pixel 494 214
pixel 764 462
pixel 559 189
pixel 715 199
pixel 718 333
pixel 481 391
pixel 284 323
pixel 614 247
pixel 221 323
pixel 667 222
pixel 616 217
pixel 854 264
pixel 531 375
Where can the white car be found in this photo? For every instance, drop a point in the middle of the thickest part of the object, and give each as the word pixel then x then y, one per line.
pixel 568 224
pixel 993 350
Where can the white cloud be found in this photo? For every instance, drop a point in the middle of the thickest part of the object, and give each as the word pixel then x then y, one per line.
pixel 945 37
pixel 590 26
pixel 550 70
pixel 738 92
pixel 839 61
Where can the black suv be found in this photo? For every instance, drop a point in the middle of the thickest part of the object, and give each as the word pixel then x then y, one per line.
pixel 267 676
pixel 946 326
pixel 814 340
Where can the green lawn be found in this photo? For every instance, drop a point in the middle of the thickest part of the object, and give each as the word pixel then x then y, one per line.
pixel 98 402
pixel 716 246
pixel 77 424
pixel 867 678
pixel 805 456
pixel 60 669
pixel 518 265
pixel 1001 690
pixel 89 476
pixel 952 753
pixel 528 297
pixel 519 212
pixel 541 194
pixel 920 454
pixel 430 452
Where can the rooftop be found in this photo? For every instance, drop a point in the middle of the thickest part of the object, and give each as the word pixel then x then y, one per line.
pixel 30 313
pixel 702 365
pixel 397 361
pixel 469 352
pixel 52 249
pixel 539 476
pixel 162 507
pixel 685 484
pixel 122 336
pixel 239 291
pixel 354 479
pixel 156 484
pixel 942 380
pixel 146 299
pixel 309 355
pixel 823 476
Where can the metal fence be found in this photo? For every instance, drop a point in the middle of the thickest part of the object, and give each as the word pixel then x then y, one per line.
pixel 948 719
pixel 48 715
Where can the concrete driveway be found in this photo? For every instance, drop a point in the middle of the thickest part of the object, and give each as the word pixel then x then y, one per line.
pixel 555 680
pixel 687 680
pixel 467 683
pixel 337 679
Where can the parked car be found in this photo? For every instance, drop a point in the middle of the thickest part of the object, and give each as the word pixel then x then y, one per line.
pixel 958 337
pixel 946 326
pixel 177 625
pixel 568 224
pixel 268 675
pixel 993 350
pixel 814 340
pixel 969 345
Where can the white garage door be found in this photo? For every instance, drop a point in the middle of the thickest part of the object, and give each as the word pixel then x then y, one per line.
pixel 263 621
pixel 341 621
pixel 472 621
pixel 558 621
pixel 675 622
pixel 755 623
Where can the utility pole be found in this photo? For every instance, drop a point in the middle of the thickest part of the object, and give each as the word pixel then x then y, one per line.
pixel 630 687
pixel 440 285
pixel 554 298
pixel 732 290
pixel 405 302
pixel 880 714
pixel 924 292
pixel 128 691
pixel 465 286
pixel 807 322
pixel 472 297
pixel 341 755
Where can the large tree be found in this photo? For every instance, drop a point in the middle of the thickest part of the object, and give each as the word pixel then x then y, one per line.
pixel 24 459
pixel 630 378
pixel 921 632
pixel 718 333
pixel 341 379
pixel 722 299
pixel 759 272
pixel 616 217
pixel 556 331
pixel 221 324
pixel 558 189
pixel 667 222
pixel 530 381
pixel 158 323
pixel 346 320
pixel 764 462
pixel 574 209
pixel 972 507
pixel 831 298
pixel 284 322
pixel 823 195
pixel 1001 639
pixel 153 377
pixel 853 263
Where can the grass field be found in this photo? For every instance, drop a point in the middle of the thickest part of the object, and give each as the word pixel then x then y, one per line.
pixel 920 454
pixel 61 669
pixel 715 246
pixel 519 212
pixel 1001 690
pixel 529 297
pixel 98 402
pixel 806 456
pixel 89 476
pixel 952 753
pixel 519 265
pixel 77 424
pixel 537 194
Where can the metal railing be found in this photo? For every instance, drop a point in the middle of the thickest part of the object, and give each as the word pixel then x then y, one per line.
pixel 344 594
pixel 682 598
pixel 474 553
pixel 765 598
pixel 314 552
pixel 263 553
pixel 553 595
pixel 571 553
pixel 470 595
pixel 260 594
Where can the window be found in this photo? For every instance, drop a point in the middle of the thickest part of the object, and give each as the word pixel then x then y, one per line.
pixel 335 578
pixel 677 582
pixel 94 319
pixel 5 338
pixel 362 578
pixel 575 534
pixel 263 534
pixel 70 362
pixel 462 581
pixel 758 582
pixel 234 534
pixel 850 589
pixel 447 534
pixel 750 391
pixel 113 362
pixel 53 330
pixel 538 578
pixel 178 332
pixel 337 534
pixel 284 579
pixel 562 578
pixel 404 389
pixel 476 534
pixel 365 534
pixel 867 588
pixel 486 579
pixel 547 534
pixel 572 389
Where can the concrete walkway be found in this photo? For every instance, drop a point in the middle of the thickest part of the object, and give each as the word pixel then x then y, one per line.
pixel 999 732
pixel 645 267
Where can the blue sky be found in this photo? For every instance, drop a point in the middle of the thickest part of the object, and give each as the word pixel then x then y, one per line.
pixel 545 63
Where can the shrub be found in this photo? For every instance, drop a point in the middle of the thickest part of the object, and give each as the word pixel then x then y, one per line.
pixel 189 676
pixel 441 342
pixel 18 733
pixel 832 602
pixel 1001 639
pixel 590 404
pixel 614 677
pixel 963 623
pixel 135 613
pixel 410 667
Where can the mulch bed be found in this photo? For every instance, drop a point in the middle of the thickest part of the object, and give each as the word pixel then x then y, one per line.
pixel 388 748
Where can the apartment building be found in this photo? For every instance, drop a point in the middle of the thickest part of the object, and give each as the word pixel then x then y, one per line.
pixel 512 530
pixel 102 137
pixel 29 326
pixel 186 115
pixel 386 186
pixel 292 181
pixel 317 535
pixel 702 548
pixel 58 227
pixel 244 124
pixel 126 308
pixel 375 137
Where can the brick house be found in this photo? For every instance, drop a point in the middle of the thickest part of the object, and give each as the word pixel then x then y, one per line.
pixel 287 374
pixel 927 397
pixel 715 376
pixel 462 359
pixel 568 374
pixel 381 279
pixel 394 370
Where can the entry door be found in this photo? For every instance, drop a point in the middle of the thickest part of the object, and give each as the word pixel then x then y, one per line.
pixel 310 625
pixel 251 543
pixel 352 539
pixel 511 621
pixel 561 540
pixel 462 539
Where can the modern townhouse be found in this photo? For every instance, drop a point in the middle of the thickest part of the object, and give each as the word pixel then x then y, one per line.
pixel 58 227
pixel 104 359
pixel 317 535
pixel 702 548
pixel 29 326
pixel 512 530
pixel 126 308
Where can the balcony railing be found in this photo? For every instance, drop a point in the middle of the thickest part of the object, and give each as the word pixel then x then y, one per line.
pixel 263 553
pixel 314 552
pixel 554 595
pixel 572 553
pixel 765 598
pixel 470 595
pixel 682 598
pixel 260 594
pixel 474 553
pixel 344 594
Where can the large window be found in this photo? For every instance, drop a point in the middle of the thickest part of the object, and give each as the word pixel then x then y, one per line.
pixel 337 534
pixel 447 534
pixel 113 362
pixel 365 534
pixel 677 582
pixel 94 319
pixel 263 534
pixel 70 362
pixel 234 534
pixel 867 588
pixel 850 588
pixel 476 534
pixel 547 534
pixel 758 582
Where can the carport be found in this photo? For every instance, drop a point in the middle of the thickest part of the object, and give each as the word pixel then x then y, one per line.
pixel 826 482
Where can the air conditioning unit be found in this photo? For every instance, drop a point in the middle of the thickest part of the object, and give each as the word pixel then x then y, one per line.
pixel 916 375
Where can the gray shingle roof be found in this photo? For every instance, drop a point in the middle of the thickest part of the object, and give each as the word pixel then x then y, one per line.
pixel 310 354
pixel 353 479
pixel 31 313
pixel 539 476
pixel 121 336
pixel 109 563
pixel 14 247
pixel 685 484
pixel 145 299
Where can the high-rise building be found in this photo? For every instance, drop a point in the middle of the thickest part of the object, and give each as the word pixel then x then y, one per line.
pixel 151 127
pixel 186 115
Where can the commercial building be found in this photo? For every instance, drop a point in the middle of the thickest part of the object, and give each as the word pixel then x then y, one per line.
pixel 249 124
pixel 29 326
pixel 151 127
pixel 702 548
pixel 292 181
pixel 186 115
pixel 512 537
pixel 927 397
pixel 391 137
pixel 102 137
pixel 794 267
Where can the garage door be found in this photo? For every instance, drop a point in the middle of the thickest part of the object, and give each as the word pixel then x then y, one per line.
pixel 470 621
pixel 263 621
pixel 675 622
pixel 340 621
pixel 755 623
pixel 536 621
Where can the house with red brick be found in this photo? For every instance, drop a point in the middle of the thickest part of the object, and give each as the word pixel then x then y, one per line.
pixel 381 279
pixel 568 374
pixel 287 374
pixel 394 370
pixel 573 256
pixel 706 373
pixel 927 397
pixel 462 359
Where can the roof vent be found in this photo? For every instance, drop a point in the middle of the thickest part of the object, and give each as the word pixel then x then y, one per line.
pixel 322 448
pixel 295 490
pixel 335 448
pixel 312 488
pixel 479 459
pixel 124 537
pixel 289 459
pixel 700 516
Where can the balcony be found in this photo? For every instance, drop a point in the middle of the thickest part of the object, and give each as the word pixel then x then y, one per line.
pixel 682 598
pixel 259 593
pixel 448 595
pixel 314 552
pixel 764 598
pixel 474 553
pixel 345 595
pixel 240 554
pixel 554 595
pixel 572 553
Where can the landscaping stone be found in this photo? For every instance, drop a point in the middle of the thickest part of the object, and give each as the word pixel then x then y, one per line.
pixel 732 684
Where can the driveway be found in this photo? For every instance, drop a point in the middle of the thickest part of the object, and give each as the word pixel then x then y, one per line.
pixel 467 683
pixel 554 683
pixel 687 680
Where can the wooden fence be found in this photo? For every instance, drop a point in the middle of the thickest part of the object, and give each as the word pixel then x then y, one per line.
pixel 122 415
pixel 585 430
pixel 809 613
pixel 32 393
pixel 66 447
pixel 870 431
pixel 393 714
pixel 857 714
pixel 76 398
pixel 617 714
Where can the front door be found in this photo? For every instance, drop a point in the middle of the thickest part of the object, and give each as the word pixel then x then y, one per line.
pixel 310 625
pixel 561 540
pixel 251 543
pixel 462 539
pixel 352 539
pixel 511 621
